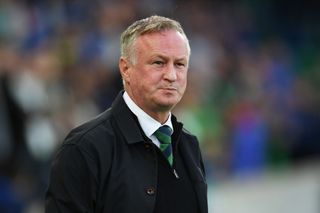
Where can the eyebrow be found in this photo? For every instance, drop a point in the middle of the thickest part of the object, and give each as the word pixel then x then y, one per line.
pixel 166 57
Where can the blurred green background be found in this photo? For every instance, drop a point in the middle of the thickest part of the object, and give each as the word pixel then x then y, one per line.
pixel 252 97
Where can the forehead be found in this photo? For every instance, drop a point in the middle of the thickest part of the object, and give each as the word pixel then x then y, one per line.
pixel 164 42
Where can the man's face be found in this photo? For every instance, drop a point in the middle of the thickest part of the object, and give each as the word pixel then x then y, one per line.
pixel 158 77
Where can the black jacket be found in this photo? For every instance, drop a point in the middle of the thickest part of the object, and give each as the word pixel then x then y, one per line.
pixel 101 168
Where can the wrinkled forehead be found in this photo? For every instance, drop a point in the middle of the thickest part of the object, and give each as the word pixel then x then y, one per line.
pixel 164 41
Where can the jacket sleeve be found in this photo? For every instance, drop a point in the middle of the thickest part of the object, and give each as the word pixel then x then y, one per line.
pixel 73 183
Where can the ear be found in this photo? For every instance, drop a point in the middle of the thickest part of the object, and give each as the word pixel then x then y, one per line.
pixel 124 67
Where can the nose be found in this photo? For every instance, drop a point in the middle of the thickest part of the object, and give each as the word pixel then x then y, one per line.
pixel 170 73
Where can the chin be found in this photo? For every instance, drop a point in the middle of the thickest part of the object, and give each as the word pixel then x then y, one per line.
pixel 168 103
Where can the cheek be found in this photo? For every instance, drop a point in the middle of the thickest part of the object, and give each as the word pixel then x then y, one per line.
pixel 152 79
pixel 145 84
pixel 183 79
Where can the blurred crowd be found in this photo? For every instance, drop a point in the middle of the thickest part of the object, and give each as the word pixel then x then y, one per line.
pixel 252 96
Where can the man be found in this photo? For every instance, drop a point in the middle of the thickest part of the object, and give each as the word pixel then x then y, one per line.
pixel 135 157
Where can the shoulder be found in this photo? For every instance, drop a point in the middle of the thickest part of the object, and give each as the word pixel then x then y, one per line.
pixel 190 140
pixel 91 130
pixel 186 133
pixel 92 137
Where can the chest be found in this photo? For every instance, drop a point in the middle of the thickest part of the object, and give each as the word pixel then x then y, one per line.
pixel 141 180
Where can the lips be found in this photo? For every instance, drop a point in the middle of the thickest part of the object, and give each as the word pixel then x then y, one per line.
pixel 169 88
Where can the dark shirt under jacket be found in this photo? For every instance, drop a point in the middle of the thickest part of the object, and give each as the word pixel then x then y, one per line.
pixel 108 166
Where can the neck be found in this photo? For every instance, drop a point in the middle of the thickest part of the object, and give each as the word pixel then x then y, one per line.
pixel 162 117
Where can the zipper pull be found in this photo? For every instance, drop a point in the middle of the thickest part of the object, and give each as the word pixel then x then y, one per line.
pixel 175 173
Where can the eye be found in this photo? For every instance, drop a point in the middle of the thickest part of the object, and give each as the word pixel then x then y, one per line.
pixel 180 65
pixel 158 62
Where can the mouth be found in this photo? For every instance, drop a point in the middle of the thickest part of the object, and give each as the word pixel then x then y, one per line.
pixel 169 91
pixel 169 88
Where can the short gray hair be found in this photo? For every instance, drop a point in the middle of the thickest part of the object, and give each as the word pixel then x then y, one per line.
pixel 147 25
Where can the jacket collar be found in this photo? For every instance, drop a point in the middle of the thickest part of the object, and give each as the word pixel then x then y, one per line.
pixel 126 120
pixel 129 124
